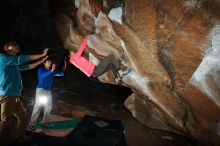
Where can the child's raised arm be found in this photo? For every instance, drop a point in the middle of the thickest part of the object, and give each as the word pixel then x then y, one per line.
pixel 33 65
pixel 65 64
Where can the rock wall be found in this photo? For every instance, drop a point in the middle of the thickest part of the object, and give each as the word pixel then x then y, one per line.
pixel 171 48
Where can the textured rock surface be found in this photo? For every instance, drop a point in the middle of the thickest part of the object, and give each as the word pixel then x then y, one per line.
pixel 172 48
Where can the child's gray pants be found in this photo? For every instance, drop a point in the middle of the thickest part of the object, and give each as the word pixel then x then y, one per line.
pixel 46 94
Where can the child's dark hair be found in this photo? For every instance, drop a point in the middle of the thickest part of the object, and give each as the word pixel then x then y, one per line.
pixel 58 56
pixel 49 58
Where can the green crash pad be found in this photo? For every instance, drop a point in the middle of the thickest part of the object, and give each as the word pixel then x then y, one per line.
pixel 59 124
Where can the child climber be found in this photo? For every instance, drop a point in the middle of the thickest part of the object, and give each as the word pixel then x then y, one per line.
pixel 108 63
pixel 43 92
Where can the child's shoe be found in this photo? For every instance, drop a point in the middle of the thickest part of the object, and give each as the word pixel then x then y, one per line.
pixel 46 125
pixel 32 127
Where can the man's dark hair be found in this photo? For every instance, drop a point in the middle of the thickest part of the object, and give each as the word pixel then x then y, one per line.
pixel 9 44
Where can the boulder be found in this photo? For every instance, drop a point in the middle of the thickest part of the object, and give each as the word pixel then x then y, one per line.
pixel 172 49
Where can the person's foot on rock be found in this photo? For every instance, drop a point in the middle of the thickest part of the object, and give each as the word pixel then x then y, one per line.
pixel 118 81
pixel 123 72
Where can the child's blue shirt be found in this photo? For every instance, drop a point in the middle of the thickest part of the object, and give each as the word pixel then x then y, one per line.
pixel 45 77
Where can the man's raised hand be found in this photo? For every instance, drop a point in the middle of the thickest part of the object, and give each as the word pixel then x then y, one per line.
pixel 45 51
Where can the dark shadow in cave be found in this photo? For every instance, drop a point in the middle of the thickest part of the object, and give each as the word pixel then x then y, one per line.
pixel 29 23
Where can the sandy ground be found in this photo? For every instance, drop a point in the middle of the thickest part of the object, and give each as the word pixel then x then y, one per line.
pixel 75 95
